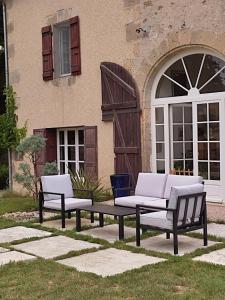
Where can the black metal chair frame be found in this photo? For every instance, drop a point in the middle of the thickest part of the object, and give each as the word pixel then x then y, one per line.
pixel 63 210
pixel 177 229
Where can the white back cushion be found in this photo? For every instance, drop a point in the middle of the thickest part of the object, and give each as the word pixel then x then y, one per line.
pixel 182 191
pixel 57 184
pixel 151 184
pixel 179 180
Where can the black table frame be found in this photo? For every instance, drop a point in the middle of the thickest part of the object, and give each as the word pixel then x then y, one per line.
pixel 102 209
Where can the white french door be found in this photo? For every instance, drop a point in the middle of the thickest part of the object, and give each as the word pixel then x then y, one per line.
pixel 189 141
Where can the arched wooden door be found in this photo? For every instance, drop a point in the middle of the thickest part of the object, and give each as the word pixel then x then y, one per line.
pixel 120 104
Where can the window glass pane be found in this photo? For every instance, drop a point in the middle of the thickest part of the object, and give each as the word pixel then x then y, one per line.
pixel 211 65
pixel 64 44
pixel 188 135
pixel 61 138
pixel 202 132
pixel 202 112
pixel 160 150
pixel 203 169
pixel 81 153
pixel 62 153
pixel 214 132
pixel 217 84
pixel 160 164
pixel 187 114
pixel 189 165
pixel 166 88
pixel 72 166
pixel 177 150
pixel 177 114
pixel 177 73
pixel 71 153
pixel 159 133
pixel 81 137
pixel 81 166
pixel 71 137
pixel 203 151
pixel 62 168
pixel 214 112
pixel 159 115
pixel 188 150
pixel 214 151
pixel 214 170
pixel 178 164
pixel 178 132
pixel 193 63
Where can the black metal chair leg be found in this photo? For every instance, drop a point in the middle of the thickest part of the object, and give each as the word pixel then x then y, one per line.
pixel 40 215
pixel 175 243
pixel 205 235
pixel 92 217
pixel 69 215
pixel 167 235
pixel 138 236
pixel 63 219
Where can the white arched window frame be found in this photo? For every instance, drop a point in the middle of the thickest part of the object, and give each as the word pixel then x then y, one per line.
pixel 195 98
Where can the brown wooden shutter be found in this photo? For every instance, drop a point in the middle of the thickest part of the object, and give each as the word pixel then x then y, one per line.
pixel 47 53
pixel 49 153
pixel 75 46
pixel 90 151
pixel 120 104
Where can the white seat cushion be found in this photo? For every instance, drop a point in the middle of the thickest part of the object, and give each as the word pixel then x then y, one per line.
pixel 179 180
pixel 132 201
pixel 57 184
pixel 151 185
pixel 182 191
pixel 70 203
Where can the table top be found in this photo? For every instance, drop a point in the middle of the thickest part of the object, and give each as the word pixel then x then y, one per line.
pixel 109 210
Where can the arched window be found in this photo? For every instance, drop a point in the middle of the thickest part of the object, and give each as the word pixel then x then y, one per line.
pixel 188 111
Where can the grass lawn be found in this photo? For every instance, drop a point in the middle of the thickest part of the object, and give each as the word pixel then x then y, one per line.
pixel 177 278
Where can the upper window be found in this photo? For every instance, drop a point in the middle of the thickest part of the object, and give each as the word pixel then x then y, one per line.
pixel 192 75
pixel 61 48
pixel 64 42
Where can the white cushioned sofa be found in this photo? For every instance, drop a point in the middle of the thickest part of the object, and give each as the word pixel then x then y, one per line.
pixel 154 189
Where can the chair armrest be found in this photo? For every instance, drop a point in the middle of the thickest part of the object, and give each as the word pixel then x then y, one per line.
pixel 153 208
pixel 60 194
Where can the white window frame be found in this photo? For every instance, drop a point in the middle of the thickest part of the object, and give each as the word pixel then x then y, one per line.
pixel 77 160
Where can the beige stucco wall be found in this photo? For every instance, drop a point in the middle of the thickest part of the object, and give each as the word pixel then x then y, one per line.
pixel 108 33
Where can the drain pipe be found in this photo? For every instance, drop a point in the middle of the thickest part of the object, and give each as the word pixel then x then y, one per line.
pixel 7 80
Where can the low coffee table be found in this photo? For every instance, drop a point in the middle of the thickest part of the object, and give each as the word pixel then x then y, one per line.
pixel 102 209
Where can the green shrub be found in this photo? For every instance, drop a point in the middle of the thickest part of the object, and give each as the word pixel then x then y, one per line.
pixel 50 168
pixel 80 180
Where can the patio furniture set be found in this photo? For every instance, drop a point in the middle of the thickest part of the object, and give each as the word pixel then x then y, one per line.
pixel 170 203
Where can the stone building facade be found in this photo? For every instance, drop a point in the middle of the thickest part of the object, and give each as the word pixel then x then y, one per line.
pixel 173 51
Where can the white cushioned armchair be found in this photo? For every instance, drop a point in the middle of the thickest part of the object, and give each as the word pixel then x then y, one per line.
pixel 186 211
pixel 57 194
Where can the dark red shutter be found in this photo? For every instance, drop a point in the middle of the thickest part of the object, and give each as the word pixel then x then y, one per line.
pixel 47 53
pixel 75 46
pixel 90 151
pixel 49 153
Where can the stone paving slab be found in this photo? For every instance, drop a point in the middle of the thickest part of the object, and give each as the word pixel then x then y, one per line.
pixel 70 224
pixel 28 216
pixel 2 250
pixel 217 230
pixel 54 246
pixel 159 243
pixel 109 233
pixel 109 262
pixel 214 257
pixel 8 235
pixel 14 256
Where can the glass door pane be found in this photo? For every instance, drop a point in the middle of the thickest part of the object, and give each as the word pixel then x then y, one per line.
pixel 160 139
pixel 181 132
pixel 208 139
